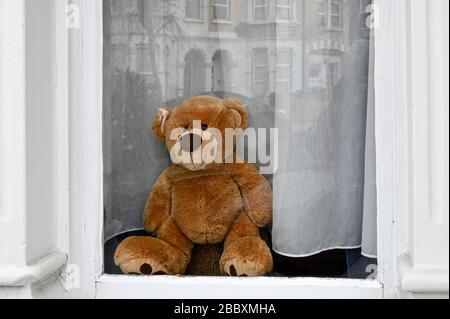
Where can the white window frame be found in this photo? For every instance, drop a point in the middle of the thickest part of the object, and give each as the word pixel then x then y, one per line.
pixel 260 66
pixel 284 7
pixel 220 5
pixel 319 77
pixel 143 47
pixel 264 6
pixel 332 74
pixel 83 59
pixel 284 65
pixel 329 15
pixel 86 198
pixel 201 13
pixel 322 14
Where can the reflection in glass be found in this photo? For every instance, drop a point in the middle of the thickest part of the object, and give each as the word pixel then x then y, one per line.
pixel 300 65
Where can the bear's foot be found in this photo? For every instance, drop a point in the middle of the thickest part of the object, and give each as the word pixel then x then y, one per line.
pixel 247 256
pixel 149 256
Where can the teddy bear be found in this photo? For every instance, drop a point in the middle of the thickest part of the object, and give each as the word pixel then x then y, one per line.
pixel 199 200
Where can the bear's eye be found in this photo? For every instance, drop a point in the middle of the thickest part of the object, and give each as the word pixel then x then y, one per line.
pixel 204 127
pixel 186 127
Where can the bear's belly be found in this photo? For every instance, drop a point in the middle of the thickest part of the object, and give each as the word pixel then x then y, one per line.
pixel 204 207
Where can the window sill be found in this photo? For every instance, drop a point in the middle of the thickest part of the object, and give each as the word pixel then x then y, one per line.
pixel 175 287
pixel 192 20
pixel 222 22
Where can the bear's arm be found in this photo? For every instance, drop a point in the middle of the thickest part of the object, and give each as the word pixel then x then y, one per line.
pixel 256 193
pixel 157 207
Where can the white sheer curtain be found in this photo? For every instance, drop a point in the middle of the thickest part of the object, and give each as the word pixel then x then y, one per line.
pixel 324 190
pixel 301 66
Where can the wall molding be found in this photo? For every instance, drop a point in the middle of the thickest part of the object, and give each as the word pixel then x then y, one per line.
pixel 427 280
pixel 44 268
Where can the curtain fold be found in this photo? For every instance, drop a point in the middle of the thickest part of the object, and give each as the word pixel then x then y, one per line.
pixel 324 190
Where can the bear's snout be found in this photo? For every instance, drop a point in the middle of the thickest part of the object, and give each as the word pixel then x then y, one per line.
pixel 191 142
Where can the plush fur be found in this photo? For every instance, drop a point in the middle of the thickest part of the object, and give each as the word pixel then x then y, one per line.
pixel 202 204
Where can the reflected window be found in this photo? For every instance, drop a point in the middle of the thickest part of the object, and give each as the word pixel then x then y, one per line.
pixel 284 10
pixel 321 14
pixel 284 71
pixel 221 10
pixel 119 60
pixel 335 14
pixel 194 9
pixel 260 72
pixel 143 59
pixel 332 73
pixel 315 72
pixel 328 14
pixel 260 10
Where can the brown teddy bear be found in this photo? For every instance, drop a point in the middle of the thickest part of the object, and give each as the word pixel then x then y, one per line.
pixel 202 202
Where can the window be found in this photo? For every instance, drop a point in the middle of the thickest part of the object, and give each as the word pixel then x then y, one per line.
pixel 194 9
pixel 221 10
pixel 328 14
pixel 284 10
pixel 321 14
pixel 284 71
pixel 142 59
pixel 335 14
pixel 119 57
pixel 260 72
pixel 162 65
pixel 260 10
pixel 332 73
pixel 315 72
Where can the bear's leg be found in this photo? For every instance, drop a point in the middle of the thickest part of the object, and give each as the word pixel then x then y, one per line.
pixel 245 253
pixel 169 253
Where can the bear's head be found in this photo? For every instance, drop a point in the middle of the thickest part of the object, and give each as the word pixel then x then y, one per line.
pixel 201 131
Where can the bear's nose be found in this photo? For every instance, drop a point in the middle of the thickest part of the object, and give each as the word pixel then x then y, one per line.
pixel 191 142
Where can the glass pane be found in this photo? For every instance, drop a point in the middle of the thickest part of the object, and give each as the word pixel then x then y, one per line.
pixel 220 13
pixel 260 74
pixel 283 13
pixel 283 73
pixel 320 7
pixel 193 9
pixel 311 86
pixel 335 21
pixel 260 13
pixel 284 2
pixel 261 57
pixel 283 57
pixel 335 8
pixel 260 89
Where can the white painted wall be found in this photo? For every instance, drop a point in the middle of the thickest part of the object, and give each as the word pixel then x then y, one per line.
pixel 40 128
pixel 412 132
pixel 28 218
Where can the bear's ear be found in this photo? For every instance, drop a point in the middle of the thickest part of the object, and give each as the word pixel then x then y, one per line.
pixel 240 113
pixel 159 124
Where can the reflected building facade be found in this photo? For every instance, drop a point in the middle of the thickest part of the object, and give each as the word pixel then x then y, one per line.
pixel 249 47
